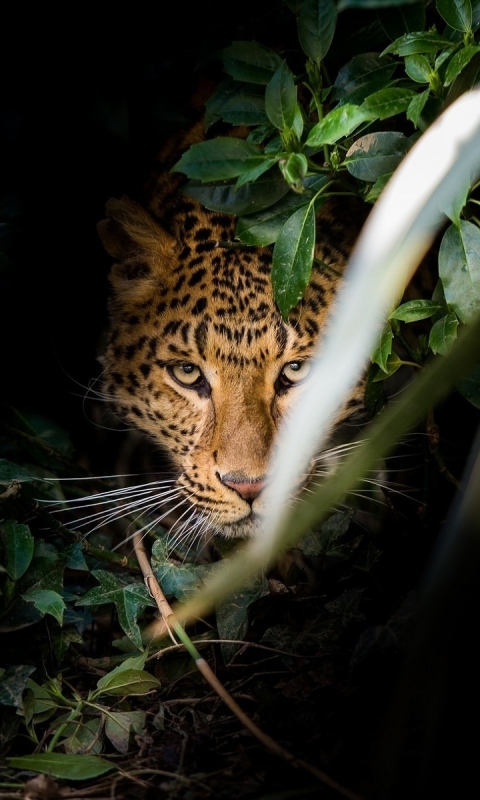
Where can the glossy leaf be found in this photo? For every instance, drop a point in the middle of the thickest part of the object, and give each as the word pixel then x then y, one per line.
pixel 459 269
pixel 338 123
pixel 61 765
pixel 294 169
pixel 418 68
pixel 414 310
pixel 256 172
pixel 391 365
pixel 47 602
pixel 418 42
pixel 384 348
pixel 281 98
pixel 19 545
pixel 456 13
pixel 386 103
pixel 263 227
pixel 361 76
pixel 128 682
pixel 316 27
pixel 459 62
pixel 218 159
pixel 250 61
pixel 376 154
pixel 177 581
pixel 443 334
pixel 236 103
pixel 375 191
pixel 292 259
pixel 130 600
pixel 416 106
pixel 248 199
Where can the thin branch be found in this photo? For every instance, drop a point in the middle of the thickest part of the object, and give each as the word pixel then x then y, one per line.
pixel 171 624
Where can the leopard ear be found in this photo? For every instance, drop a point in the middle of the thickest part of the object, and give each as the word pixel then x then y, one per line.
pixel 139 243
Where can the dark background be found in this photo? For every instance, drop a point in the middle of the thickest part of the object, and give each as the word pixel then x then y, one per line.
pixel 87 96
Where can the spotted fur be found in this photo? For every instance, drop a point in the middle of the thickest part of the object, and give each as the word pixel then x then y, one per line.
pixel 187 306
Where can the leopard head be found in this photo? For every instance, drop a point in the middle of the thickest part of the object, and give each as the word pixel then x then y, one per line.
pixel 198 356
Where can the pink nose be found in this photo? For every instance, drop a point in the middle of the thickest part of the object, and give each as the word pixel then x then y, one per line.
pixel 248 489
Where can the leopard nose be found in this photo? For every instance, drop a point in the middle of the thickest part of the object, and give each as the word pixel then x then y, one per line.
pixel 249 489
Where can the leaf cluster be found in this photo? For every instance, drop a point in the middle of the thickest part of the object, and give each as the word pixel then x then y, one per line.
pixel 312 136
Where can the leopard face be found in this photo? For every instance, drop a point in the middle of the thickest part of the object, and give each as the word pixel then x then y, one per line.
pixel 198 356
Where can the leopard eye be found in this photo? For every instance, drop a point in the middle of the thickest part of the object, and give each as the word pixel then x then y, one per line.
pixel 186 374
pixel 295 372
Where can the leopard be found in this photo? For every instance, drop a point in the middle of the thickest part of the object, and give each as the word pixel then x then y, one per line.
pixel 198 357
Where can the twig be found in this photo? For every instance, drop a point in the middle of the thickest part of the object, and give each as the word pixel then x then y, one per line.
pixel 172 624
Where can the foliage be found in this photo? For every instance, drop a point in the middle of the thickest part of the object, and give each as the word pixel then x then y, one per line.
pixel 310 137
pixel 344 136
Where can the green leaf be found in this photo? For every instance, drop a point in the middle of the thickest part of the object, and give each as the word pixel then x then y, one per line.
pixel 459 269
pixel 127 682
pixel 75 558
pixel 292 259
pixel 218 159
pixel 386 103
pixel 250 61
pixel 456 203
pixel 255 173
pixel 13 683
pixel 130 600
pixel 443 334
pixel 179 581
pixel 263 227
pixel 456 13
pixel 251 197
pixel 120 724
pixel 392 364
pixel 47 602
pixel 361 76
pixel 416 106
pixel 336 124
pixel 384 348
pixel 470 387
pixel 12 472
pixel 281 98
pixel 418 68
pixel 83 736
pixel 19 548
pixel 60 765
pixel 376 154
pixel 375 191
pixel 236 103
pixel 380 4
pixel 414 310
pixel 294 169
pixel 330 539
pixel 418 42
pixel 459 62
pixel 232 617
pixel 316 27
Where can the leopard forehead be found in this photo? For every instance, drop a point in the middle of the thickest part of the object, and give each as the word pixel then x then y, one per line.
pixel 215 303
